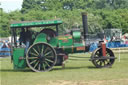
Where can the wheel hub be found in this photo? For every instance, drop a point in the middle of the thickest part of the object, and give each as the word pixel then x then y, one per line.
pixel 41 58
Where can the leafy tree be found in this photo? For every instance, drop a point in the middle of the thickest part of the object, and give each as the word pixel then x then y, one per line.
pixel 30 5
pixel 94 23
pixel 102 14
pixel 4 24
pixel 111 4
pixel 52 4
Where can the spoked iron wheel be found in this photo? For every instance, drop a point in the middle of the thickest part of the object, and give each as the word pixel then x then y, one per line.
pixel 41 57
pixel 103 61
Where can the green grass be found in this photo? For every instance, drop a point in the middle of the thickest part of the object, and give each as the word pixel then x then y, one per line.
pixel 75 73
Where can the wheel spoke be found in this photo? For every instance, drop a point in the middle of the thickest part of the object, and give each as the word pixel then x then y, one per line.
pixel 33 54
pixel 107 61
pixel 43 66
pixel 36 64
pixel 49 56
pixel 36 51
pixel 49 60
pixel 47 64
pixel 42 49
pixel 48 53
pixel 33 61
pixel 100 63
pixel 32 57
pixel 97 61
pixel 46 49
pixel 39 67
pixel 104 62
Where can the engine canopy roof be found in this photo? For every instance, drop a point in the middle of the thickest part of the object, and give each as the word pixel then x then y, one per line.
pixel 35 23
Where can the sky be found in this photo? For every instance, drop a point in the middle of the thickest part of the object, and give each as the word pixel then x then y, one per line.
pixel 11 5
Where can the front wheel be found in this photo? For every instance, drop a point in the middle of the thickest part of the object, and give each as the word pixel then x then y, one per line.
pixel 102 61
pixel 41 57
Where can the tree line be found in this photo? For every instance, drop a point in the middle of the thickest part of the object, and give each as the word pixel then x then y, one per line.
pixel 102 14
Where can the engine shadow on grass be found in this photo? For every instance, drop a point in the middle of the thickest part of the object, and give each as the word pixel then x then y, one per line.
pixel 92 67
pixel 54 69
pixel 71 68
pixel 12 70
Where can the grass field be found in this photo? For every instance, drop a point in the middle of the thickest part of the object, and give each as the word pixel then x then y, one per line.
pixel 75 73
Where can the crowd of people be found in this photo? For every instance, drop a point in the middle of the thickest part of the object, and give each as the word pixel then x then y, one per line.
pixel 5 48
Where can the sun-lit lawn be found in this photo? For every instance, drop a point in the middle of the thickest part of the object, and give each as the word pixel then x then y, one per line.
pixel 75 73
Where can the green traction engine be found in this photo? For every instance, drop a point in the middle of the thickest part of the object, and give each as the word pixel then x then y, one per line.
pixel 47 48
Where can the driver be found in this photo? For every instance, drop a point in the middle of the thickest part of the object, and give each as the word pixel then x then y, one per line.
pixel 28 37
pixel 25 37
pixel 22 36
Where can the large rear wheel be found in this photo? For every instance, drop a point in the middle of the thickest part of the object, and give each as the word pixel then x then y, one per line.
pixel 41 57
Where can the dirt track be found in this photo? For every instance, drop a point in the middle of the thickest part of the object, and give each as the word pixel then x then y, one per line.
pixel 104 82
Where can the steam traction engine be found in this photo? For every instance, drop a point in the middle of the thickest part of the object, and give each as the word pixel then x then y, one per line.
pixel 48 49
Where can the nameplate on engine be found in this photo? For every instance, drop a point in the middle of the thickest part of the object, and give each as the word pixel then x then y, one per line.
pixel 80 48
